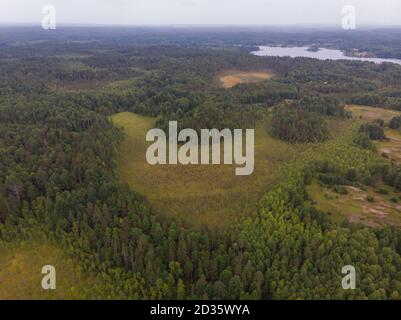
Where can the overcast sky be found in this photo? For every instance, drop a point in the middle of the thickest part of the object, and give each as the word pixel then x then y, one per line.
pixel 241 12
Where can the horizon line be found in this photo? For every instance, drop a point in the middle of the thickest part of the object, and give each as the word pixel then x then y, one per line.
pixel 185 25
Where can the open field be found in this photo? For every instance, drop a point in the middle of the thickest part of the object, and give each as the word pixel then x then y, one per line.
pixel 231 79
pixel 200 194
pixel 354 206
pixel 392 147
pixel 372 113
pixel 384 208
pixel 20 274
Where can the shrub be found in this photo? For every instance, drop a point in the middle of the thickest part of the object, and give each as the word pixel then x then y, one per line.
pixel 395 123
pixel 370 198
pixel 331 179
pixel 382 191
pixel 373 131
pixel 351 175
pixel 340 190
pixel 363 141
pixel 379 122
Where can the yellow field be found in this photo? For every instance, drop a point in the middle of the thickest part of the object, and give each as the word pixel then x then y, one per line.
pixel 20 274
pixel 355 207
pixel 199 194
pixel 371 113
pixel 229 80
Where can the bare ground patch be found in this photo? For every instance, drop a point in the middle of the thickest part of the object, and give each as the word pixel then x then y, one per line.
pixel 382 209
pixel 392 147
pixel 231 79
pixel 371 113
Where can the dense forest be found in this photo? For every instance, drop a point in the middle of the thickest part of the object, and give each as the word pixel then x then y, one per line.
pixel 58 151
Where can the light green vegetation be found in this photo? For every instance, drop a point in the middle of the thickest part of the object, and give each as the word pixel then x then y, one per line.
pixel 213 195
pixel 200 194
pixel 20 273
pixel 130 82
pixel 355 206
pixel 391 148
pixel 339 151
pixel 369 206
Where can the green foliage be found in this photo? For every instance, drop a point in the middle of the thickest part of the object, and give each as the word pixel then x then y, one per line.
pixel 298 126
pixel 58 166
pixel 363 140
pixel 373 131
pixel 340 190
pixel 370 198
pixel 308 250
pixel 382 191
pixel 323 105
pixel 395 123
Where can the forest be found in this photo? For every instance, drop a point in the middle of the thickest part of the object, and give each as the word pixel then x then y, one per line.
pixel 59 151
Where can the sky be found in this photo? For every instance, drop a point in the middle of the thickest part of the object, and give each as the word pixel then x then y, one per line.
pixel 202 12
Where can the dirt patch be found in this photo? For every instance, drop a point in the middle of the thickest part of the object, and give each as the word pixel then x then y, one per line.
pixel 355 189
pixel 371 113
pixel 356 208
pixel 231 79
pixel 392 147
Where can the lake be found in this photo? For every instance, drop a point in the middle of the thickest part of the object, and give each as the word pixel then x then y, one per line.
pixel 322 54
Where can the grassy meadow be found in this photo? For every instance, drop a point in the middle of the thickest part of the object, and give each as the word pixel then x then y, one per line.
pixel 390 148
pixel 371 113
pixel 199 194
pixel 20 274
pixel 369 206
pixel 215 196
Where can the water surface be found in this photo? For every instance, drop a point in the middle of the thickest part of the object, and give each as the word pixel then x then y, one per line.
pixel 322 54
